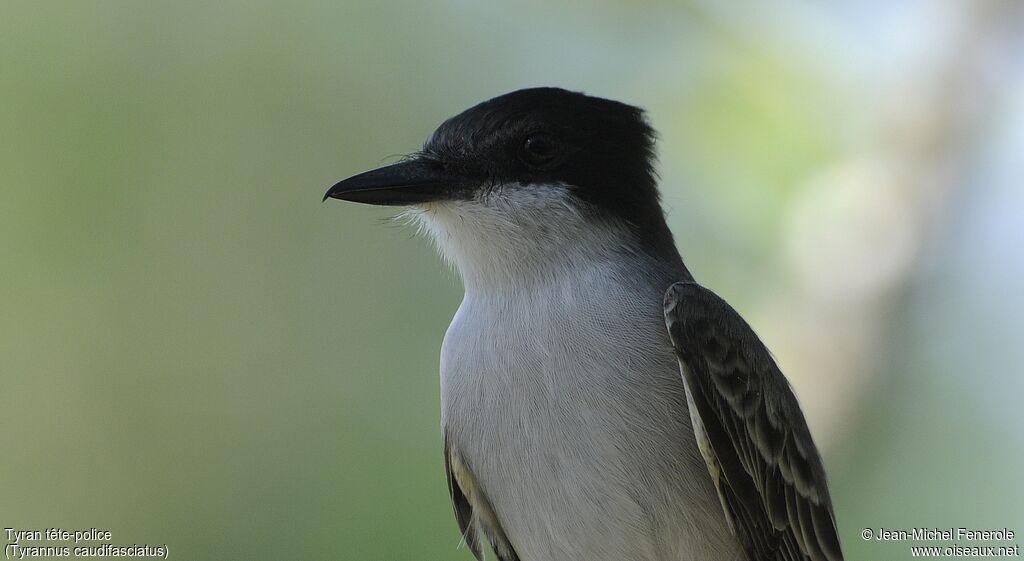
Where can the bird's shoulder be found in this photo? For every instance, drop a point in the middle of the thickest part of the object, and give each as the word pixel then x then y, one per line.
pixel 753 435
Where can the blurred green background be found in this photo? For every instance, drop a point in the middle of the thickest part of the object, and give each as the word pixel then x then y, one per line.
pixel 194 351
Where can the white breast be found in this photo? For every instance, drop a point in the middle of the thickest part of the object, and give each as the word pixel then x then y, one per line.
pixel 568 407
pixel 559 388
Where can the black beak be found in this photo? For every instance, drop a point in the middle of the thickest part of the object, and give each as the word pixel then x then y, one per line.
pixel 405 183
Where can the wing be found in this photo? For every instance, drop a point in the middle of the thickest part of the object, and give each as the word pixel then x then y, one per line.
pixel 751 431
pixel 473 511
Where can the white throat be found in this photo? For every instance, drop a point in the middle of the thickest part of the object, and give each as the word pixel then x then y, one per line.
pixel 512 236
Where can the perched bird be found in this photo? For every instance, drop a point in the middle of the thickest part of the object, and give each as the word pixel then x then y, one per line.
pixel 597 403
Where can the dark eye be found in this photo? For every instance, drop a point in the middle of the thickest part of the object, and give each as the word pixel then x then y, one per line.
pixel 539 150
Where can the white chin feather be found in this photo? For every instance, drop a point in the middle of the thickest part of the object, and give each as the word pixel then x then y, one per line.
pixel 513 234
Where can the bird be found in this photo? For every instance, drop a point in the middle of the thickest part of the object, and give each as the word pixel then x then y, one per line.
pixel 597 403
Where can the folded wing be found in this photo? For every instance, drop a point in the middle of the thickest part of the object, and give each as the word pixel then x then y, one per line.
pixel 753 436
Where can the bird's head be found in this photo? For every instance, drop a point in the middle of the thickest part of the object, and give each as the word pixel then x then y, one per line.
pixel 526 176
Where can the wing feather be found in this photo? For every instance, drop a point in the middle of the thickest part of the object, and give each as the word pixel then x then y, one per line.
pixel 473 511
pixel 772 480
pixel 463 510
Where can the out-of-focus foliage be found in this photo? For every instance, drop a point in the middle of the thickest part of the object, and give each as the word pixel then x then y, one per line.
pixel 194 351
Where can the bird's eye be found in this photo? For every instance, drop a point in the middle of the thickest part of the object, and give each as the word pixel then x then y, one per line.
pixel 539 150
